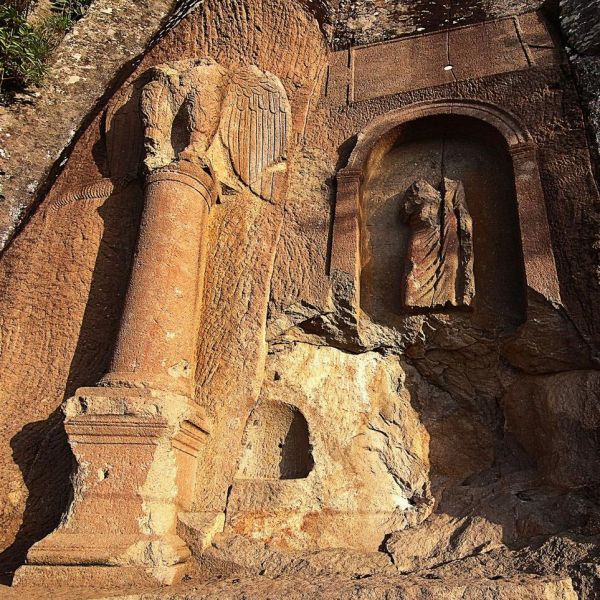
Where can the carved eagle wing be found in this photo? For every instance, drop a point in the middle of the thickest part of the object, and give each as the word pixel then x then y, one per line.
pixel 255 128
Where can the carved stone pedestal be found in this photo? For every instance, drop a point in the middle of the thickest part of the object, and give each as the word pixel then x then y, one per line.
pixel 136 453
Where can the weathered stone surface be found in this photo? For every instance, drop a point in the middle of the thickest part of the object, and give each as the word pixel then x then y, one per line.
pixel 377 587
pixel 35 132
pixel 556 419
pixel 199 529
pixel 442 539
pixel 259 176
pixel 368 21
pixel 525 588
pixel 548 341
pixel 239 555
pixel 579 22
pixel 363 479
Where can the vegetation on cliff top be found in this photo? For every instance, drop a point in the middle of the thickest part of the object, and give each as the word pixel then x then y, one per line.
pixel 25 44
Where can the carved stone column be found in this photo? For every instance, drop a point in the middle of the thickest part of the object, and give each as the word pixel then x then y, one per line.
pixel 157 338
pixel 137 434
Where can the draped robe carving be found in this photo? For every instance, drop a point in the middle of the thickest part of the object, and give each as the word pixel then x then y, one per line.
pixel 439 258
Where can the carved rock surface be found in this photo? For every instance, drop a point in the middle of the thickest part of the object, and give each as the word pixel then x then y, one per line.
pixel 442 539
pixel 328 587
pixel 337 431
pixel 556 419
pixel 439 261
pixel 365 477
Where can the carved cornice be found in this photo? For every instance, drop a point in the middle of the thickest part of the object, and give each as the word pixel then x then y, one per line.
pixel 116 429
pixel 127 429
pixel 189 439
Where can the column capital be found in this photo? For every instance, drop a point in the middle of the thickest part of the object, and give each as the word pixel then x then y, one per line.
pixel 200 179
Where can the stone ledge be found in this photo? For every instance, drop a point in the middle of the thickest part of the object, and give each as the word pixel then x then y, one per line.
pixel 376 587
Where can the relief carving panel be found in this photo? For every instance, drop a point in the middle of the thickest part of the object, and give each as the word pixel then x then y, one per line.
pixel 190 131
pixel 235 124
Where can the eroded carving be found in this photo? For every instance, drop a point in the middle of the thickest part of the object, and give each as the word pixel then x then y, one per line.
pixel 189 130
pixel 233 123
pixel 205 129
pixel 439 258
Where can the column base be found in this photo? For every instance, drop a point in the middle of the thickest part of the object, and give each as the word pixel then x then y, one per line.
pixel 95 576
pixel 135 471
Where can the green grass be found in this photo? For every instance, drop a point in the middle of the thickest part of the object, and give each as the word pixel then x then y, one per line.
pixel 24 48
pixel 23 51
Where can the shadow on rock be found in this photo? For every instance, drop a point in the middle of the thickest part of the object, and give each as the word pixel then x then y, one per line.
pixel 42 453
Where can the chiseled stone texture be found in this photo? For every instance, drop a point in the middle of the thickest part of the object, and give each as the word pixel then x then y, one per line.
pixel 580 24
pixel 419 432
pixel 368 21
pixel 73 306
pixel 336 587
pixel 370 468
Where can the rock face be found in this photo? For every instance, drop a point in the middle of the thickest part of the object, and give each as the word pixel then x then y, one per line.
pixel 362 479
pixel 441 540
pixel 35 131
pixel 565 408
pixel 524 588
pixel 579 23
pixel 297 320
pixel 368 21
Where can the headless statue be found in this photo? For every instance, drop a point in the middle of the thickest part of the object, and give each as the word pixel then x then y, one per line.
pixel 439 258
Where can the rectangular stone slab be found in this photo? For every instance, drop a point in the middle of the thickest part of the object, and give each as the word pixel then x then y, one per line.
pixel 417 62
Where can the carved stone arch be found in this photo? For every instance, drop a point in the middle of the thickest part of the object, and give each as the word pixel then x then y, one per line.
pixel 379 136
pixel 508 126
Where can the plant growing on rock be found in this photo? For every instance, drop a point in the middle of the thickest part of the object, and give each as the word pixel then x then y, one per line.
pixel 23 51
pixel 71 9
pixel 24 47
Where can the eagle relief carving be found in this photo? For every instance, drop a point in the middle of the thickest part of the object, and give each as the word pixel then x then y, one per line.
pixel 439 259
pixel 234 123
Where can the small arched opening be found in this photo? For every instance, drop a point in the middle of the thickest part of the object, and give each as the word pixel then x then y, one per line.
pixel 276 443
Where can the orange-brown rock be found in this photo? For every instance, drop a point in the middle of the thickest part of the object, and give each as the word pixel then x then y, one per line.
pixel 555 418
pixel 296 320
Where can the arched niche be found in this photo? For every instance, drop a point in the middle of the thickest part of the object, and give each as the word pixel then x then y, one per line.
pixel 477 143
pixel 276 443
